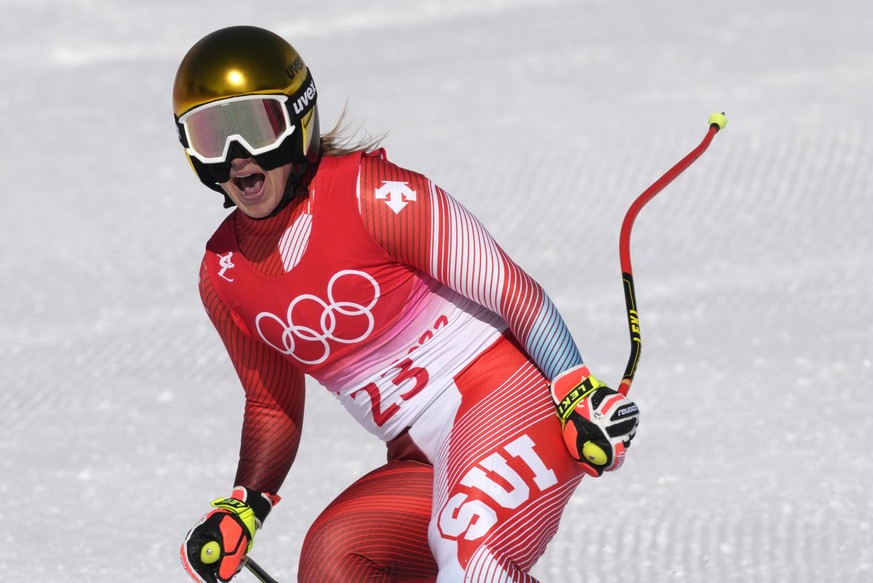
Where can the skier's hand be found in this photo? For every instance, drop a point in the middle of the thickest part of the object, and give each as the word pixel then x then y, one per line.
pixel 214 549
pixel 598 423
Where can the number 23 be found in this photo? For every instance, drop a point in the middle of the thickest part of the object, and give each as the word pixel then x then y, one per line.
pixel 407 372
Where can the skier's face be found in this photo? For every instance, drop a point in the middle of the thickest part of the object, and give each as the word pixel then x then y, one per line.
pixel 256 191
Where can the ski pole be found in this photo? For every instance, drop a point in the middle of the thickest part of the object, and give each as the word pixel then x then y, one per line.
pixel 258 571
pixel 717 121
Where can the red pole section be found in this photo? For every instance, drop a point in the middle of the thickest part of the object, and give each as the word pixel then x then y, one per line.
pixel 716 122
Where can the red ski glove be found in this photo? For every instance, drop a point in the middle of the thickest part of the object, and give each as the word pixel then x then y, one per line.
pixel 214 549
pixel 598 423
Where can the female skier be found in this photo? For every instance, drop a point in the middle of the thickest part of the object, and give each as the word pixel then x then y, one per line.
pixel 368 277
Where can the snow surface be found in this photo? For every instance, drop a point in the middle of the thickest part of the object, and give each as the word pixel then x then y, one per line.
pixel 120 412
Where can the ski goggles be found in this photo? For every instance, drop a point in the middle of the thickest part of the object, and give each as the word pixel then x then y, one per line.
pixel 260 123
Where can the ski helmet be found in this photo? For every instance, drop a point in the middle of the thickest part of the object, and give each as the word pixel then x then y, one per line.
pixel 244 91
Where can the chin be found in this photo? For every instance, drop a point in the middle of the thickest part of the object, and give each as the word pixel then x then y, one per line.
pixel 257 211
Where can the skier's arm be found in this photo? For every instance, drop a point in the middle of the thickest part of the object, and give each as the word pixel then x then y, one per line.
pixel 438 236
pixel 274 389
pixel 272 423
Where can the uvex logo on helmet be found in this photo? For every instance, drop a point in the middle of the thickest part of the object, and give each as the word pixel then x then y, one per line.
pixel 295 67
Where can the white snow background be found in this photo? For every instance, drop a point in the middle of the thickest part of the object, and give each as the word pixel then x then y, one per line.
pixel 120 413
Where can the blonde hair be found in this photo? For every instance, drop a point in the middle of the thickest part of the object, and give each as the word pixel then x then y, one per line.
pixel 343 139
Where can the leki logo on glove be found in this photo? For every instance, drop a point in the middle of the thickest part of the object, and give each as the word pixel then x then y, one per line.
pixel 311 323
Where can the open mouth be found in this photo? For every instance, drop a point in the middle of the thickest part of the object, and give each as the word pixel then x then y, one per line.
pixel 251 185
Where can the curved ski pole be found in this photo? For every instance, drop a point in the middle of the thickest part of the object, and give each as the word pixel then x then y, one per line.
pixel 717 121
pixel 258 571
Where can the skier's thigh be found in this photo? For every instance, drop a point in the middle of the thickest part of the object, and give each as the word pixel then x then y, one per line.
pixel 375 530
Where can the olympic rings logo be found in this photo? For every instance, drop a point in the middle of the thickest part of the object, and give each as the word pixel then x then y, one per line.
pixel 341 321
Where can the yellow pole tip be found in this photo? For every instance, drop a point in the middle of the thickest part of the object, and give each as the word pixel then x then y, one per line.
pixel 718 119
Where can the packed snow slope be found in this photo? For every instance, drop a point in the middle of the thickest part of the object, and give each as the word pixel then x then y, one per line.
pixel 120 411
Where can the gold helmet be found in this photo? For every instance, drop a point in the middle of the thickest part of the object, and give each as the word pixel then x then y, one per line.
pixel 244 91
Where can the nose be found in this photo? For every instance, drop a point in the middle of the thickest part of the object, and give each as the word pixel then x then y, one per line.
pixel 237 150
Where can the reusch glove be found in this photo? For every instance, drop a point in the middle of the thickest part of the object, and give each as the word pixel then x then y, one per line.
pixel 598 423
pixel 214 549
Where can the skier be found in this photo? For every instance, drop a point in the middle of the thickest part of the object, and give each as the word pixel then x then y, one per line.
pixel 378 284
